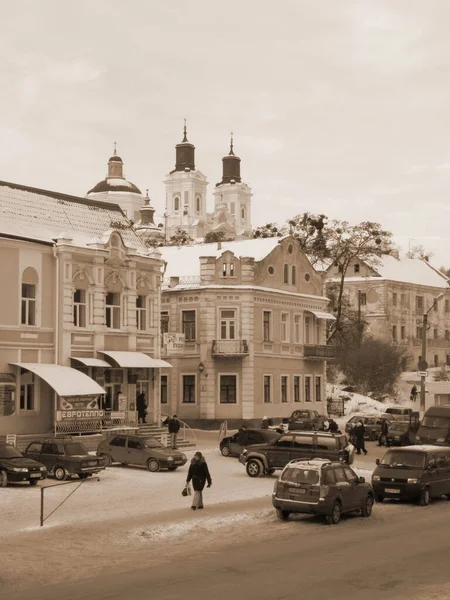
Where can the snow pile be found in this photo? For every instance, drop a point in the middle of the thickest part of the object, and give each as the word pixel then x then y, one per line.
pixel 356 403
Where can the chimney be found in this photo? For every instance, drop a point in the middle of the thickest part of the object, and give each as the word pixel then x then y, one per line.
pixel 219 245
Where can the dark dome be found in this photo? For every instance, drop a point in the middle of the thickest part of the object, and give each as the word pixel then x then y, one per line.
pixel 115 185
pixel 115 158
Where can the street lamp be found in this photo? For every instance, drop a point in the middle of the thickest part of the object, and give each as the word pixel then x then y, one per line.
pixel 423 365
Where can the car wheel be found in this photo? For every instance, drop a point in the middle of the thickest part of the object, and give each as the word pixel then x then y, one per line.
pixel 379 498
pixel 283 515
pixel 367 508
pixel 335 516
pixel 153 465
pixel 424 498
pixel 107 459
pixel 172 468
pixel 254 468
pixel 3 479
pixel 225 451
pixel 33 481
pixel 60 473
pixel 83 475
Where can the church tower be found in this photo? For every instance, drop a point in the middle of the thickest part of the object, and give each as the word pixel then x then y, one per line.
pixel 234 196
pixel 186 193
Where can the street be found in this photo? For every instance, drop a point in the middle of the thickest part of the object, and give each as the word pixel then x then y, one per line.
pixel 400 552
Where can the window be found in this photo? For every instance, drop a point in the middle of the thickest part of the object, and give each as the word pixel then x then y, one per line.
pixel 329 477
pixel 362 298
pixel 231 269
pixel 267 329
pixel 119 442
pixel 228 269
pixel 267 389
pixel 303 442
pixel 447 335
pixel 446 306
pixel 35 447
pixel 436 360
pixel 351 476
pixel 28 304
pixel 294 275
pixel 79 308
pixel 224 269
pixel 284 327
pixel 419 303
pixel 419 331
pixel 394 299
pixel 403 300
pixel 188 389
pixel 297 329
pixel 340 475
pixel 228 389
pixel 141 313
pixel 176 204
pixel 27 392
pixel 286 274
pixel 164 322
pixel 357 268
pixel 228 324
pixel 50 449
pixel 402 332
pixel 394 332
pixel 233 208
pixel 308 389
pixel 112 312
pixel 307 330
pixel 435 334
pixel 243 214
pixel 164 389
pixel 198 204
pixel 318 383
pixel 188 325
pixel 7 400
pixel 134 444
pixel 284 388
pixel 296 388
pixel 325 443
pixel 285 441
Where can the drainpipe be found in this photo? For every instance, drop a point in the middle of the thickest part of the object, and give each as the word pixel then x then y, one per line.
pixel 55 398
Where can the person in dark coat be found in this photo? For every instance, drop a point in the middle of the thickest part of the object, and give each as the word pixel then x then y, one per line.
pixel 414 393
pixel 242 437
pixel 199 474
pixel 358 435
pixel 332 426
pixel 383 439
pixel 174 426
pixel 141 405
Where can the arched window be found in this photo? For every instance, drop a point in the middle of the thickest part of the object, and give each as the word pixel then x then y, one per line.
pixel 29 296
pixel 176 204
pixel 198 204
pixel 286 273
pixel 79 307
pixel 294 275
pixel 243 214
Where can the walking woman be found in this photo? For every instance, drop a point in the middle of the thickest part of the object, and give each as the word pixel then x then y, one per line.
pixel 199 474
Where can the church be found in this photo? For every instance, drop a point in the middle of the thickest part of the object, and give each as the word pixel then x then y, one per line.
pixel 186 199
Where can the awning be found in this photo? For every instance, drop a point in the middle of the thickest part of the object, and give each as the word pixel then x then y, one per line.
pixel 323 315
pixel 64 380
pixel 90 362
pixel 136 360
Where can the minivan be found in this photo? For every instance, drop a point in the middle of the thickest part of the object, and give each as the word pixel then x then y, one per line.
pixel 413 473
pixel 435 427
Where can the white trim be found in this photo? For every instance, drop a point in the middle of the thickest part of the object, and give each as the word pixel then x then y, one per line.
pixel 238 395
pixel 300 389
pixel 311 388
pixel 181 403
pixel 288 400
pixel 270 375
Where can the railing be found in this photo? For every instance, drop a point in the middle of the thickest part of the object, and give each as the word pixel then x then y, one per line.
pixel 111 420
pixel 223 430
pixel 185 431
pixel 170 282
pixel 319 351
pixel 230 348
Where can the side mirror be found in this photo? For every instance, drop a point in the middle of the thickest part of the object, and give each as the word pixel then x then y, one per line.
pixel 361 480
pixel 377 462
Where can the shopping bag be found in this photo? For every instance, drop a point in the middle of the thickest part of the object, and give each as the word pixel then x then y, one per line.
pixel 186 490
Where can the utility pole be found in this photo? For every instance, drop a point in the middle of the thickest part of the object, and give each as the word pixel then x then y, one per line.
pixel 423 361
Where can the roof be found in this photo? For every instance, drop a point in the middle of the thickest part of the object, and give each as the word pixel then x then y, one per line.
pixel 115 158
pixel 184 261
pixel 115 184
pixel 41 215
pixel 64 380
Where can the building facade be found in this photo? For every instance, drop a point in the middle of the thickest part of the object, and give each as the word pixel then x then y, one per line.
pixel 244 326
pixel 79 315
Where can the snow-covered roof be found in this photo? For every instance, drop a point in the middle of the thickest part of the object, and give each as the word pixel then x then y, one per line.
pixel 184 261
pixel 41 215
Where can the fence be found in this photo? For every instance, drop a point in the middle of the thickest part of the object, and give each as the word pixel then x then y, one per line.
pixel 43 488
pixel 336 408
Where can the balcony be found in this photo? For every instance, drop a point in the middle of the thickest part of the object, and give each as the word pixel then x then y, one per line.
pixel 230 348
pixel 318 352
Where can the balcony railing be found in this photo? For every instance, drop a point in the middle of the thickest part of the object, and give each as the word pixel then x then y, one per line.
pixel 319 352
pixel 230 348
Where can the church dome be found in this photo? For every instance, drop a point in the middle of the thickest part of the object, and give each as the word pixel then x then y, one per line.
pixel 115 184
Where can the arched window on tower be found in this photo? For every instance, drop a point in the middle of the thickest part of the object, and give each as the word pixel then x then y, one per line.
pixel 286 274
pixel 243 214
pixel 294 275
pixel 198 204
pixel 176 204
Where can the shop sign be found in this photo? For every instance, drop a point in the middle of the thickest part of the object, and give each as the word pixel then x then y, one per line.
pixel 79 415
pixel 74 408
pixel 173 342
pixel 7 378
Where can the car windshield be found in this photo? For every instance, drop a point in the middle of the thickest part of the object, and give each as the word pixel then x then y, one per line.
pixel 76 450
pixel 301 414
pixel 396 458
pixel 9 452
pixel 399 427
pixel 310 476
pixel 152 443
pixel 439 422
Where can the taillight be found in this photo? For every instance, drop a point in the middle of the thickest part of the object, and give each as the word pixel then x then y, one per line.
pixel 324 489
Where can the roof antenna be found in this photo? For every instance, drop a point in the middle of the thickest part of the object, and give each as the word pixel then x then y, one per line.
pixel 185 132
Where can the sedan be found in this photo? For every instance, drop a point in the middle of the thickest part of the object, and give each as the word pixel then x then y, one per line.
pixel 15 468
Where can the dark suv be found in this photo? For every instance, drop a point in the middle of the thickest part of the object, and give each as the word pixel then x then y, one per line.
pixel 15 468
pixel 321 487
pixel 230 445
pixel 306 419
pixel 64 458
pixel 264 459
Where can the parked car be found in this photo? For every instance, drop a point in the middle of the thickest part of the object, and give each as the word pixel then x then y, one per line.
pixel 396 410
pixel 229 446
pixel 321 487
pixel 413 473
pixel 401 433
pixel 264 459
pixel 16 468
pixel 372 424
pixel 140 450
pixel 435 427
pixel 305 419
pixel 64 458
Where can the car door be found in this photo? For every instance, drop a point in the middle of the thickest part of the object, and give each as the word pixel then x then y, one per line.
pixel 279 453
pixel 356 491
pixel 344 488
pixel 135 452
pixel 117 449
pixel 49 456
pixel 302 447
pixel 233 445
pixel 34 451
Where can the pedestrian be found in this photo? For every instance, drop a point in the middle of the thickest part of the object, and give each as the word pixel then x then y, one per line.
pixel 242 436
pixel 383 439
pixel 332 426
pixel 199 474
pixel 358 434
pixel 413 393
pixel 265 423
pixel 174 427
pixel 141 405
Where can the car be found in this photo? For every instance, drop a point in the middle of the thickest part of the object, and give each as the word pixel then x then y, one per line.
pixel 265 459
pixel 401 433
pixel 435 427
pixel 306 419
pixel 16 468
pixel 395 410
pixel 140 450
pixel 64 457
pixel 321 487
pixel 372 424
pixel 417 473
pixel 229 446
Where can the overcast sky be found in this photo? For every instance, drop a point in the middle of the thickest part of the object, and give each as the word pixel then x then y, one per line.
pixel 337 107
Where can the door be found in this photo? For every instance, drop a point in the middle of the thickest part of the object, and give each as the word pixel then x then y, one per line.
pixel 356 491
pixel 49 456
pixel 34 451
pixel 344 488
pixel 135 452
pixel 302 447
pixel 117 449
pixel 280 453
pixel 233 445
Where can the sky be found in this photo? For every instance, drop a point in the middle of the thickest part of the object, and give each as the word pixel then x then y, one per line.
pixel 337 107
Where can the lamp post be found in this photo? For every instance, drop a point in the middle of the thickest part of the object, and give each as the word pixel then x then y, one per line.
pixel 423 365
